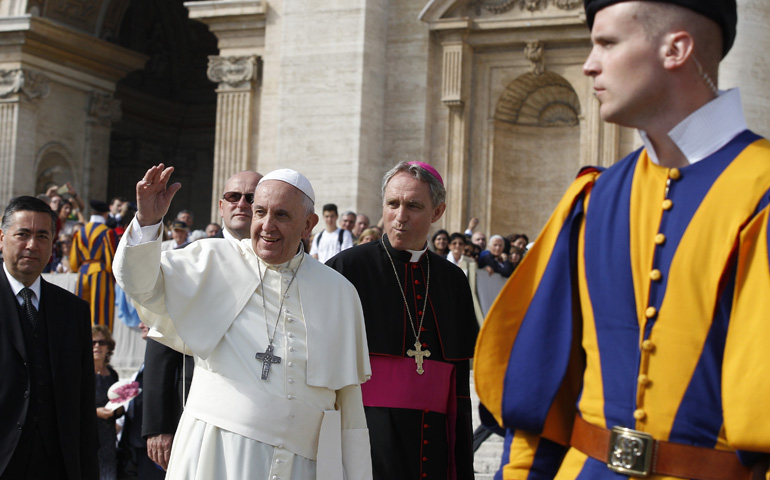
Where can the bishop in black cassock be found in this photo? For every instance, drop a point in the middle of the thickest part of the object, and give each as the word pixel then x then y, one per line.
pixel 419 424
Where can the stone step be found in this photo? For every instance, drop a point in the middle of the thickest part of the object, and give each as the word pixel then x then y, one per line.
pixel 484 476
pixel 487 458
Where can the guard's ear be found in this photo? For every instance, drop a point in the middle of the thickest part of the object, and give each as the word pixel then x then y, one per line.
pixel 677 48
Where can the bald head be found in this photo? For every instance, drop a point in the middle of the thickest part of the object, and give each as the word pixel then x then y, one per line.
pixel 235 204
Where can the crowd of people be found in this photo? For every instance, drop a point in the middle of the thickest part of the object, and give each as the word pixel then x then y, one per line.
pixel 622 343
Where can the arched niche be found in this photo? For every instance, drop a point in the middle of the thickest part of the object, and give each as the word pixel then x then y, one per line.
pixel 54 167
pixel 535 151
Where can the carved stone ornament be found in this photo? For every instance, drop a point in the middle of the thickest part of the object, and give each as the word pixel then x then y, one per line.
pixel 546 100
pixel 502 6
pixel 104 108
pixel 32 85
pixel 534 53
pixel 234 72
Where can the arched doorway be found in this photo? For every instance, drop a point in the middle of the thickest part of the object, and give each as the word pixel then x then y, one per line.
pixel 535 151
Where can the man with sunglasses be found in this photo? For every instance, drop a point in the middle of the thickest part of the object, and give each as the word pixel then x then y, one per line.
pixel 235 205
pixel 47 425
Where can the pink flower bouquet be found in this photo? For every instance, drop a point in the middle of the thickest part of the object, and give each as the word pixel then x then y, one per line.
pixel 122 392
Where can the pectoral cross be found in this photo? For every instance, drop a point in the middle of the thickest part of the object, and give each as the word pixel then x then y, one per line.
pixel 267 358
pixel 418 355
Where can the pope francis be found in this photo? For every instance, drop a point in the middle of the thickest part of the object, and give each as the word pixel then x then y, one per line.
pixel 276 391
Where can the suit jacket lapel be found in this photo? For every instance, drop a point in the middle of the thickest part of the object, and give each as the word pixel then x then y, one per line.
pixel 12 322
pixel 54 321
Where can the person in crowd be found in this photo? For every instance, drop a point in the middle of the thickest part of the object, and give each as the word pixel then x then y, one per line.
pixel 116 205
pixel 235 205
pixel 61 254
pixel 47 426
pixel 362 223
pixel 519 240
pixel 368 235
pixel 440 243
pixel 480 239
pixel 66 189
pixel 55 201
pixel 106 376
pixel 348 221
pixel 457 243
pixel 515 254
pixel 212 230
pixel 179 234
pixel 127 212
pixel 275 375
pixel 331 240
pixel 496 261
pixel 186 216
pixel 632 340
pixel 69 217
pixel 421 327
pixel 91 254
pixel 472 224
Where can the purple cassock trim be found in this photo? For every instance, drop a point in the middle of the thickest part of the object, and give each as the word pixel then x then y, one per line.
pixel 396 384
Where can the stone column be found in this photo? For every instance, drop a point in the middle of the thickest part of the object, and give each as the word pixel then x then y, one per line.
pixel 237 102
pixel 747 67
pixel 457 167
pixel 20 92
pixel 102 110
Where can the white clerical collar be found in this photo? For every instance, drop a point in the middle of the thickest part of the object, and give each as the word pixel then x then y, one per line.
pixel 707 129
pixel 16 286
pixel 292 264
pixel 416 254
pixel 96 219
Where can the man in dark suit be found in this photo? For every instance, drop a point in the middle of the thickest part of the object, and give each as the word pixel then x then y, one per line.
pixel 48 424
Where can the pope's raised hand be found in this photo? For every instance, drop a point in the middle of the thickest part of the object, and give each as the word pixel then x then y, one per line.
pixel 154 195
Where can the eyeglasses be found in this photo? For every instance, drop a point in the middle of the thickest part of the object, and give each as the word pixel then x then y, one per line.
pixel 235 197
pixel 101 343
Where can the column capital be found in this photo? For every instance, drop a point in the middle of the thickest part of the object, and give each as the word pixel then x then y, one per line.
pixel 233 72
pixel 32 85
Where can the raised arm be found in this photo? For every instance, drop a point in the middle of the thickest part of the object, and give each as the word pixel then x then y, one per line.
pixel 154 195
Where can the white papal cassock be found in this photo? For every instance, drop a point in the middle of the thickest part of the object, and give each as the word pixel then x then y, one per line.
pixel 206 299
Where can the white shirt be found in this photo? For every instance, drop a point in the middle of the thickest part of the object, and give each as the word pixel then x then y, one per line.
pixel 17 286
pixel 328 245
pixel 707 129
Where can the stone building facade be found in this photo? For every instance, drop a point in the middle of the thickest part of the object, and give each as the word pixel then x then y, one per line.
pixel 489 91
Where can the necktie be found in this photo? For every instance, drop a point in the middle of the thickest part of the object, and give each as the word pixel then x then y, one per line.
pixel 28 307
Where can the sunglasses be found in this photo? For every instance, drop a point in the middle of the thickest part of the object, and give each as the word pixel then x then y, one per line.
pixel 235 197
pixel 101 343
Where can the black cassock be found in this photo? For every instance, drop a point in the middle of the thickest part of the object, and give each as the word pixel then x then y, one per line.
pixel 410 443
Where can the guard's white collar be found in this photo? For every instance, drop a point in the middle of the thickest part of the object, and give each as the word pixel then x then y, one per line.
pixel 707 129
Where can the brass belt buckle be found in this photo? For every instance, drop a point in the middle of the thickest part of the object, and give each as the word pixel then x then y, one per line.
pixel 630 452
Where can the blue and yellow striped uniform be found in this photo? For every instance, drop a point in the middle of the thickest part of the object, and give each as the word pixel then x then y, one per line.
pixel 644 303
pixel 93 248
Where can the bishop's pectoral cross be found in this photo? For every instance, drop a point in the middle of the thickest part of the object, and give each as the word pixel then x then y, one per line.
pixel 267 358
pixel 418 355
